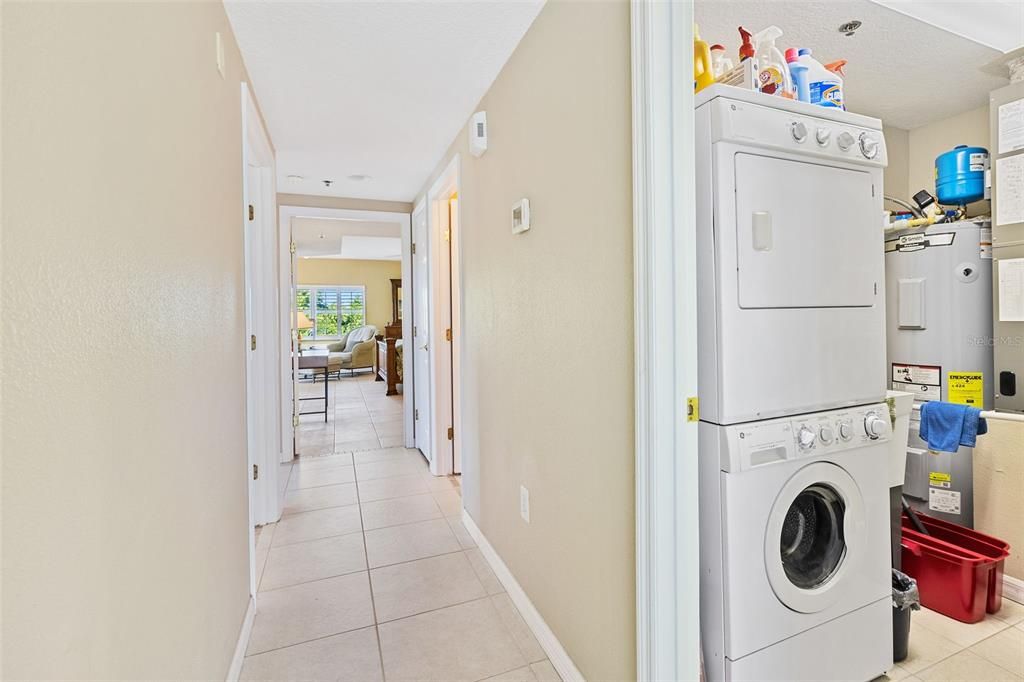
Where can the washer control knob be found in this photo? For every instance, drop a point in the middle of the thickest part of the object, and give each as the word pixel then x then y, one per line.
pixel 875 427
pixel 845 430
pixel 868 146
pixel 826 434
pixel 805 437
pixel 799 131
pixel 823 136
pixel 845 141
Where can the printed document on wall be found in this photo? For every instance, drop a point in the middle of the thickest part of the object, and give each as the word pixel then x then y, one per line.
pixel 1011 126
pixel 1011 290
pixel 1010 190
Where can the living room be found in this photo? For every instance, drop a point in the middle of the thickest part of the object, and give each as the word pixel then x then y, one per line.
pixel 348 303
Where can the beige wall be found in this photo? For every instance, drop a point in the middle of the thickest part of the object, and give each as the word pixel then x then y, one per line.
pixel 124 503
pixel 897 148
pixel 375 275
pixel 999 457
pixel 313 201
pixel 548 333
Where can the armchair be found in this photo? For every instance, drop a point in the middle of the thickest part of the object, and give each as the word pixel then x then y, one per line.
pixel 355 350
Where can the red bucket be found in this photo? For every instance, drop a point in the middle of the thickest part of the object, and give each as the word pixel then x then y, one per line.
pixel 951 580
pixel 987 546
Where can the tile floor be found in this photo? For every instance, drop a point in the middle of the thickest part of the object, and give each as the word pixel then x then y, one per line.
pixel 359 416
pixel 370 574
pixel 946 650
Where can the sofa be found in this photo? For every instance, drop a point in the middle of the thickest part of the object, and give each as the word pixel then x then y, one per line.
pixel 355 350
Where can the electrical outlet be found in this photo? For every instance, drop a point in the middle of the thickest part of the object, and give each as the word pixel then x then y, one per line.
pixel 524 503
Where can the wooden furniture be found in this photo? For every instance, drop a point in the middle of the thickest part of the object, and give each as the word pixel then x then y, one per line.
pixel 396 302
pixel 388 369
pixel 316 364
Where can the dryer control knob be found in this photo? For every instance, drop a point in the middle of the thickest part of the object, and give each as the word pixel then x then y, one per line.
pixel 868 147
pixel 845 141
pixel 799 131
pixel 805 437
pixel 875 427
pixel 826 435
pixel 845 430
pixel 823 136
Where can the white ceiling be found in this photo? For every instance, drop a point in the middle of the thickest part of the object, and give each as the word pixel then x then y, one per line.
pixel 996 23
pixel 371 88
pixel 901 69
pixel 347 239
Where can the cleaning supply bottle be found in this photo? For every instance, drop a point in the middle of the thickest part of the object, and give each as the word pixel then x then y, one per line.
pixel 746 49
pixel 772 72
pixel 703 71
pixel 826 87
pixel 836 67
pixel 798 72
pixel 719 62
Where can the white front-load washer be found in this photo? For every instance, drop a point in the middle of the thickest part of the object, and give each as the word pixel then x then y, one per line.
pixel 794 532
pixel 790 257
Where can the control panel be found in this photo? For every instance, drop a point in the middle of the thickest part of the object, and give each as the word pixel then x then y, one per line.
pixel 797 126
pixel 821 433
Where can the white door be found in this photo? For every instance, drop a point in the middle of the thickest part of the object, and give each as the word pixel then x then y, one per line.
pixel 421 338
pixel 294 360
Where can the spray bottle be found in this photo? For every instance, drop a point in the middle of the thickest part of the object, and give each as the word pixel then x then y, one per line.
pixel 719 62
pixel 772 72
pixel 746 49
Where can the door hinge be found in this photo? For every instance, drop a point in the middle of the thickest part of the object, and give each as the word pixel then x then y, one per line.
pixel 414 248
pixel 295 420
pixel 291 247
pixel 252 342
pixel 416 415
pixel 252 212
pixel 692 409
pixel 451 433
pixel 448 235
pixel 414 330
pixel 448 334
pixel 255 471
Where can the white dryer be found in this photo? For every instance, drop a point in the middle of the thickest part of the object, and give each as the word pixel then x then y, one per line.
pixel 794 533
pixel 790 257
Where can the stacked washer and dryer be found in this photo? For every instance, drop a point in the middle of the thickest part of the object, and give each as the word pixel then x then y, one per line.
pixel 794 527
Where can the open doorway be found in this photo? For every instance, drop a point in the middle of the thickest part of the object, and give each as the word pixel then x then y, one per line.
pixel 348 318
pixel 436 309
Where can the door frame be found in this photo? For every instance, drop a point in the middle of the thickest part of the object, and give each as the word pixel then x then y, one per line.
pixel 288 211
pixel 446 313
pixel 260 272
pixel 418 382
pixel 665 304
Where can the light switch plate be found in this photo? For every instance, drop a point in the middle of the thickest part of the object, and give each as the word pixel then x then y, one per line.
pixel 521 216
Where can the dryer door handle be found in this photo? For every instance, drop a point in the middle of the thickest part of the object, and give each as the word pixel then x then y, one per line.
pixel 761 230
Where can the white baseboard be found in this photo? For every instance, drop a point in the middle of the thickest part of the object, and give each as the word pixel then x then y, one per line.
pixel 1013 589
pixel 557 654
pixel 243 642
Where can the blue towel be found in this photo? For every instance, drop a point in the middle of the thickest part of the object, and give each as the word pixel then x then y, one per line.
pixel 947 426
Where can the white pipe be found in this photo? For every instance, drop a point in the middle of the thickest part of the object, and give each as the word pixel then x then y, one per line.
pixel 989 414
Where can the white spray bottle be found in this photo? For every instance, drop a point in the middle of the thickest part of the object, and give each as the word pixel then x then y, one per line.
pixel 772 72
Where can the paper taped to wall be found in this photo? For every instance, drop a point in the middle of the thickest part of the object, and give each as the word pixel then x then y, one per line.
pixel 1011 290
pixel 1010 190
pixel 1011 126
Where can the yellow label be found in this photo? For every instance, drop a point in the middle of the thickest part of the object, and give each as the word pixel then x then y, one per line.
pixel 966 388
pixel 939 479
pixel 692 410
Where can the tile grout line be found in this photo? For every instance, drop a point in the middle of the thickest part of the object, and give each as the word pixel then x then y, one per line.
pixel 369 580
pixel 958 651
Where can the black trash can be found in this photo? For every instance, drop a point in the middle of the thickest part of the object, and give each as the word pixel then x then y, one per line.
pixel 905 599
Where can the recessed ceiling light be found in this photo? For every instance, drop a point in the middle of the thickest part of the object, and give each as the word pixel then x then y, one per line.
pixel 295 179
pixel 327 183
pixel 849 27
pixel 358 177
pixel 321 235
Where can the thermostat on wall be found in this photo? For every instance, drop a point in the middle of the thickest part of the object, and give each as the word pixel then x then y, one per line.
pixel 521 216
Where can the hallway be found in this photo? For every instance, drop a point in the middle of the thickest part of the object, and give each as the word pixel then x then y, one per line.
pixel 370 574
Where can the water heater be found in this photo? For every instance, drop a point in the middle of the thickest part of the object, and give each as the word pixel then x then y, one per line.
pixel 939 344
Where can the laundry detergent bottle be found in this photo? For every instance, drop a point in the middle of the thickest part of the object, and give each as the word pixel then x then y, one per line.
pixel 703 70
pixel 772 72
pixel 826 87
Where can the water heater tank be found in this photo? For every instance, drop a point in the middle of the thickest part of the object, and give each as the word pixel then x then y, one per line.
pixel 939 345
pixel 960 175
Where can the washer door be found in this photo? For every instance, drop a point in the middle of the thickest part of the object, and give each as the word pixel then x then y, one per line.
pixel 814 537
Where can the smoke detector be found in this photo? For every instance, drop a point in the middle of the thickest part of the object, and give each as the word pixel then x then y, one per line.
pixel 358 177
pixel 328 183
